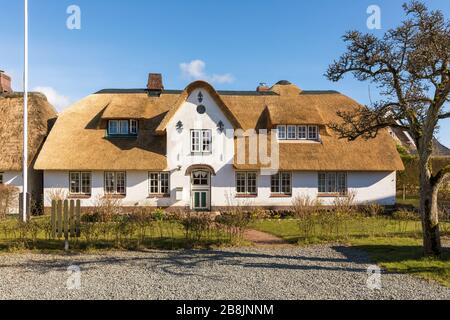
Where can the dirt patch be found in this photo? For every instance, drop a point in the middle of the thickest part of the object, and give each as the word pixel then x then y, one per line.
pixel 259 238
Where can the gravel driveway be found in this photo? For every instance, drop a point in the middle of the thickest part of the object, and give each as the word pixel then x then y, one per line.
pixel 320 272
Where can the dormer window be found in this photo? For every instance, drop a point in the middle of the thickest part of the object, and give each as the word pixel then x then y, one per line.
pixel 313 133
pixel 298 132
pixel 123 127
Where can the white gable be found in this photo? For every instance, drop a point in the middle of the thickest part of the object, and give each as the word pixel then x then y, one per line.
pixel 190 116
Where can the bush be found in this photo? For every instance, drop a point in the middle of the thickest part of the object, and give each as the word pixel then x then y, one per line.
pixel 196 225
pixel 8 197
pixel 235 223
pixel 372 209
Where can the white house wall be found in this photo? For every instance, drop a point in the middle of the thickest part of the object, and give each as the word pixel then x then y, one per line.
pixel 367 186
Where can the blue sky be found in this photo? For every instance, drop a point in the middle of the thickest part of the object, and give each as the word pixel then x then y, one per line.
pixel 234 44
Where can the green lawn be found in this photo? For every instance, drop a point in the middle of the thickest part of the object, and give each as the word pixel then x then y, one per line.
pixel 391 245
pixel 414 201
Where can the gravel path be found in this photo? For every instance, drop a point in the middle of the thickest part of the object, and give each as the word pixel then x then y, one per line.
pixel 320 272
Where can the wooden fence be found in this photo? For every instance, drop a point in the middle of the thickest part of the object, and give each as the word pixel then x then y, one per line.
pixel 66 219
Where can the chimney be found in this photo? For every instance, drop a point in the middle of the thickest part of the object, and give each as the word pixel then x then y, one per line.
pixel 262 87
pixel 5 83
pixel 155 82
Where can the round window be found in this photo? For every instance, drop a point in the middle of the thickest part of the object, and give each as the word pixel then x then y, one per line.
pixel 201 109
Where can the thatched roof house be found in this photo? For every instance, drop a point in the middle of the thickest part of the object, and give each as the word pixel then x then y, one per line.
pixel 169 148
pixel 41 115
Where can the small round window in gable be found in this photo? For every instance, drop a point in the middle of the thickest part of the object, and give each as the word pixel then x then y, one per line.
pixel 201 109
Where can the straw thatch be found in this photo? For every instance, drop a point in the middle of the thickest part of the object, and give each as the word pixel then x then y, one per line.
pixel 40 117
pixel 78 141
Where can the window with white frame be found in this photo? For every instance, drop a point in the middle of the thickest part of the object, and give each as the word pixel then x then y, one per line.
pixel 159 183
pixel 246 183
pixel 80 183
pixel 122 127
pixel 302 132
pixel 291 132
pixel 281 130
pixel 201 141
pixel 281 183
pixel 115 183
pixel 333 183
pixel 133 126
pixel 313 133
pixel 298 132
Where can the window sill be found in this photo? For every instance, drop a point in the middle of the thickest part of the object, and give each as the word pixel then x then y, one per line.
pixel 201 153
pixel 246 196
pixel 159 196
pixel 281 195
pixel 78 196
pixel 332 195
pixel 121 136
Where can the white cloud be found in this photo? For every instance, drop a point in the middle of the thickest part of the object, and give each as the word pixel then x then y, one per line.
pixel 59 101
pixel 195 70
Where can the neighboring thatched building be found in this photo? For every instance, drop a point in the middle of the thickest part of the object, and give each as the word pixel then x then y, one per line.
pixel 404 139
pixel 41 116
pixel 183 148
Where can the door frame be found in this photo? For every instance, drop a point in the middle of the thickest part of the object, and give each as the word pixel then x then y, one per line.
pixel 201 188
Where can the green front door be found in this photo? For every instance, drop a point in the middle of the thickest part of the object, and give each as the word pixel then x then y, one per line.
pixel 200 200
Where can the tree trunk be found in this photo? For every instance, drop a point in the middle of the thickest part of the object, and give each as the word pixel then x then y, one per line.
pixel 430 215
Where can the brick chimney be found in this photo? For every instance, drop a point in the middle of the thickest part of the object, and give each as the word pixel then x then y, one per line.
pixel 155 82
pixel 262 87
pixel 5 83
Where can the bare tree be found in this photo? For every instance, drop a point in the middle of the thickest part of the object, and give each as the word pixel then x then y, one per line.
pixel 410 66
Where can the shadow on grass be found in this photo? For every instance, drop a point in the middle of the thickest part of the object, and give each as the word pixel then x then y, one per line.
pixel 407 259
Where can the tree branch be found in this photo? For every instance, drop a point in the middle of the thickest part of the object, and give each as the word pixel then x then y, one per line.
pixel 444 116
pixel 440 176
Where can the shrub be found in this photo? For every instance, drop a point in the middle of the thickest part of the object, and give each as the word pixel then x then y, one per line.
pixel 196 225
pixel 372 209
pixel 8 197
pixel 235 222
pixel 306 210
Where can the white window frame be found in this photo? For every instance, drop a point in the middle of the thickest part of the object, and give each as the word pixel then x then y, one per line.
pixel 333 183
pixel 160 176
pixel 134 126
pixel 280 177
pixel 315 130
pixel 302 132
pixel 201 141
pixel 281 134
pixel 115 185
pixel 83 190
pixel 291 135
pixel 246 186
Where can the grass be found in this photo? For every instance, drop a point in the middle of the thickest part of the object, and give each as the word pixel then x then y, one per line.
pixel 395 246
pixel 409 201
pixel 168 235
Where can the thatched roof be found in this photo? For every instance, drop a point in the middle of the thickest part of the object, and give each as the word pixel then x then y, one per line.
pixel 77 141
pixel 40 118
